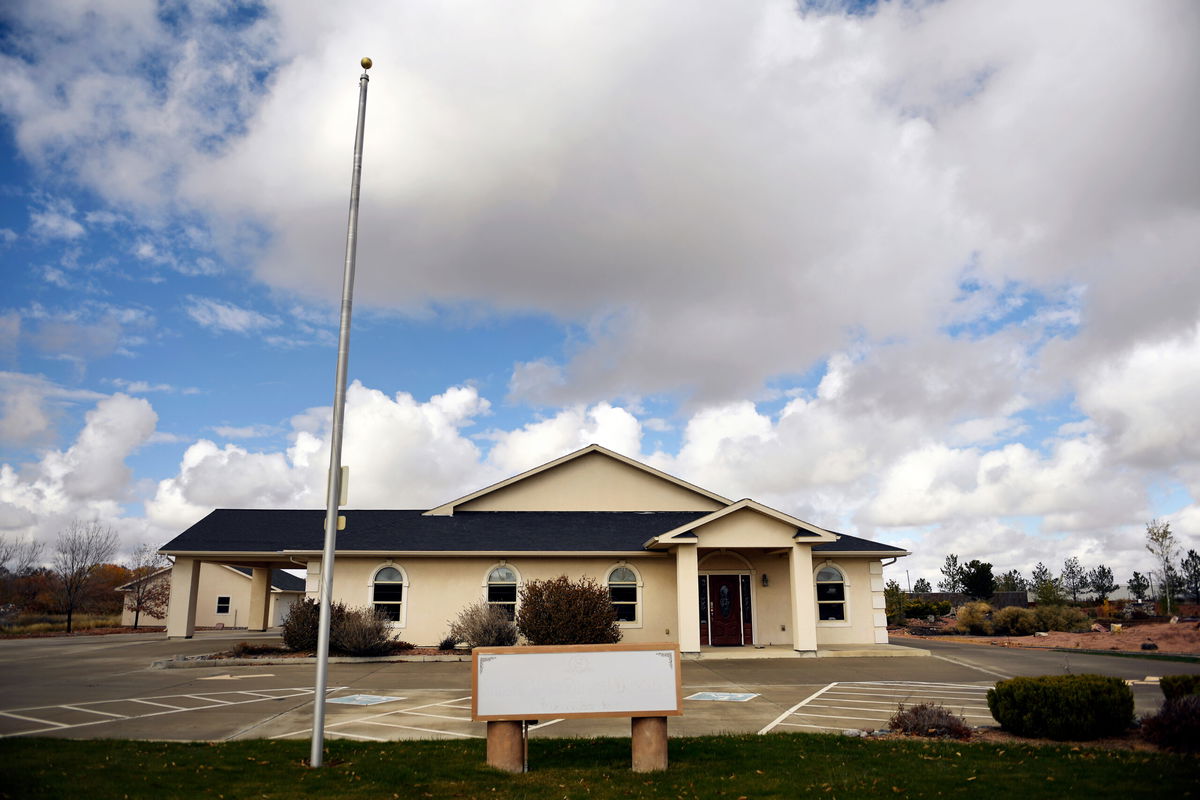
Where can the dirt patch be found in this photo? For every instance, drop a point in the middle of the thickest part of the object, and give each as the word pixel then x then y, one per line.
pixel 1178 638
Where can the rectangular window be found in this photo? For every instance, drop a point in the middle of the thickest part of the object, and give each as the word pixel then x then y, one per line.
pixel 624 600
pixel 503 595
pixel 222 604
pixel 831 601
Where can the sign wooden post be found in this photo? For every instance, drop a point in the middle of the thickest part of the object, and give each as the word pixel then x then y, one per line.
pixel 510 685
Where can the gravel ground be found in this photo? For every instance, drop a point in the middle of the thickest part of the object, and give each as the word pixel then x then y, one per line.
pixel 1181 637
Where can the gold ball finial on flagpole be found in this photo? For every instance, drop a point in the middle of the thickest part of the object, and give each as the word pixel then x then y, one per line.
pixel 366 63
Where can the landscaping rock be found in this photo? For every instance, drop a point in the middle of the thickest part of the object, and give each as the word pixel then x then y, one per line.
pixel 1149 646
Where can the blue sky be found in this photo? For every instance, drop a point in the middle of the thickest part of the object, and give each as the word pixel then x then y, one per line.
pixel 920 272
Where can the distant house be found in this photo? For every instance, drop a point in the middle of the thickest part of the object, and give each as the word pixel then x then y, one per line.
pixel 681 563
pixel 223 596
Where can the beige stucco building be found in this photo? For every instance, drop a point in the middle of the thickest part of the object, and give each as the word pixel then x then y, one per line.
pixel 222 597
pixel 681 562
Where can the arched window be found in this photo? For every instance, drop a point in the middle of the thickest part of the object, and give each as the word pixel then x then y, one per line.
pixel 623 591
pixel 387 593
pixel 831 594
pixel 502 589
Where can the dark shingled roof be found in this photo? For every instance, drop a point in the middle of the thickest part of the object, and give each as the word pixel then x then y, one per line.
pixel 283 581
pixel 852 544
pixel 252 530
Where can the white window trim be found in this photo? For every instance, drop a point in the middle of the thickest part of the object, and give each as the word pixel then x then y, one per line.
pixel 487 573
pixel 228 605
pixel 846 608
pixel 403 621
pixel 638 618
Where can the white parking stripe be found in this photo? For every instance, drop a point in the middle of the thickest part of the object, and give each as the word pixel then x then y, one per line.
pixel 214 702
pixel 875 702
pixel 793 709
pixel 371 717
pixel 34 719
pixel 423 730
pixel 94 711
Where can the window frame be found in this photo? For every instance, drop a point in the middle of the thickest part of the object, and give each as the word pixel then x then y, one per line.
pixel 844 602
pixel 402 615
pixel 228 604
pixel 515 604
pixel 637 583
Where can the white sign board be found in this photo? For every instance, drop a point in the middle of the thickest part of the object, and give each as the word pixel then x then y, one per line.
pixel 611 680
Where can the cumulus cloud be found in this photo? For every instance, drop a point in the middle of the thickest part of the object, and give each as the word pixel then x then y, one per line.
pixel 714 197
pixel 87 480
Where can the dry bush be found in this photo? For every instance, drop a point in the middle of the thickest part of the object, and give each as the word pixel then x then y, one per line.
pixel 359 631
pixel 483 625
pixel 1014 621
pixel 974 618
pixel 563 611
pixel 929 719
pixel 1177 724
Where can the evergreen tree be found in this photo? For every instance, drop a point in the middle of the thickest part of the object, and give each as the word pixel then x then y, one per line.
pixel 1073 578
pixel 1011 581
pixel 1138 587
pixel 1046 589
pixel 977 580
pixel 922 585
pixel 1100 581
pixel 952 575
pixel 1190 569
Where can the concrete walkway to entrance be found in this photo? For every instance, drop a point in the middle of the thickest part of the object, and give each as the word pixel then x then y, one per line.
pixel 827 651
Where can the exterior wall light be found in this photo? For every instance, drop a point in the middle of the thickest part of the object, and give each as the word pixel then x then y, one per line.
pixel 765 581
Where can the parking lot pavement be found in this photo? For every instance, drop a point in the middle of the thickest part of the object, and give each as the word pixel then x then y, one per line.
pixel 88 687
pixel 84 718
pixel 869 705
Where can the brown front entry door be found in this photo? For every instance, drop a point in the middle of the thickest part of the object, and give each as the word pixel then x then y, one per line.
pixel 724 610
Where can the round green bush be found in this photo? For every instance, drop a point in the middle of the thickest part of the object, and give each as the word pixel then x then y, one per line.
pixel 1062 707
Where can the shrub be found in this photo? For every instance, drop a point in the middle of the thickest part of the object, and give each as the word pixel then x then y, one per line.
pixel 1062 706
pixel 400 646
pixel 483 625
pixel 358 631
pixel 929 719
pixel 973 618
pixel 1179 685
pixel 448 642
pixel 1177 724
pixel 562 611
pixel 300 625
pixel 1014 621
pixel 926 608
pixel 1061 618
pixel 243 649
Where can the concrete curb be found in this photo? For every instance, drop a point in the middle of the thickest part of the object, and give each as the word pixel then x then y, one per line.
pixel 196 662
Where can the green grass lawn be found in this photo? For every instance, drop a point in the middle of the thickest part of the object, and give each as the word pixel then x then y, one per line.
pixel 775 766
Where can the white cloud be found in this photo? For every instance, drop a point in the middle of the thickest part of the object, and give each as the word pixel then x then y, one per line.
pixel 245 431
pixel 55 220
pixel 88 480
pixel 221 316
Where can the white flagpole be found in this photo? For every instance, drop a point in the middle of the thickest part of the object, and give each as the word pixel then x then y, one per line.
pixel 334 489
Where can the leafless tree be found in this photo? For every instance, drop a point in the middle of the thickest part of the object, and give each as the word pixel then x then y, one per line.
pixel 1162 545
pixel 18 555
pixel 148 593
pixel 80 549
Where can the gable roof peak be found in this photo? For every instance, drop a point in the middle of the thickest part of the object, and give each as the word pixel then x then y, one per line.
pixel 448 508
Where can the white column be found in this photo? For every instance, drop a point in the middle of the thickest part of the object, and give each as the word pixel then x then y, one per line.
pixel 686 599
pixel 260 599
pixel 185 585
pixel 804 599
